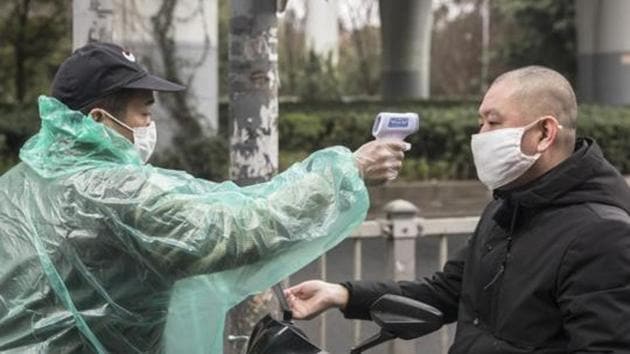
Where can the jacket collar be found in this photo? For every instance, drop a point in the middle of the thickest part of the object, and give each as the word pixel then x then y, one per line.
pixel 559 180
pixel 584 177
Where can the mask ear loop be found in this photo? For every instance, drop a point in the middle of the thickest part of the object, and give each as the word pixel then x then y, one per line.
pixel 116 120
pixel 534 123
pixel 560 126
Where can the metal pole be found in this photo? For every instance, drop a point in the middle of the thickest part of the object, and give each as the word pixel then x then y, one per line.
pixel 358 260
pixel 443 258
pixel 485 44
pixel 322 324
pixel 401 254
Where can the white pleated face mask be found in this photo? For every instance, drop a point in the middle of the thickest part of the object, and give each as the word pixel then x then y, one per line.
pixel 498 157
pixel 144 138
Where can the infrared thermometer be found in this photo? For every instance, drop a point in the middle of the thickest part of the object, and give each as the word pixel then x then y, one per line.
pixel 397 126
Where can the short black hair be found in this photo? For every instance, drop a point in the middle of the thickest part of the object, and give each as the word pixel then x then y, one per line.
pixel 115 103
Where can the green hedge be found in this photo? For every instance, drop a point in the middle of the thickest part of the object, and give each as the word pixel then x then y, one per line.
pixel 441 149
pixel 610 127
pixel 17 124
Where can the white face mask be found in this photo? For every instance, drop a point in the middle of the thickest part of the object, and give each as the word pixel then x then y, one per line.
pixel 144 138
pixel 498 156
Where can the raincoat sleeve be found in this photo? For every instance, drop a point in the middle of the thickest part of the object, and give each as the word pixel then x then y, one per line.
pixel 184 226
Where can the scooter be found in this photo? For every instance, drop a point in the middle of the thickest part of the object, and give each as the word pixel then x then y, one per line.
pixel 398 317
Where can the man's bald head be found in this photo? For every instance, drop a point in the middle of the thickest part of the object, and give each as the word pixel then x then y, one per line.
pixel 540 91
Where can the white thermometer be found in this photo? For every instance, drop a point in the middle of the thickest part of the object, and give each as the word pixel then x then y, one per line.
pixel 398 126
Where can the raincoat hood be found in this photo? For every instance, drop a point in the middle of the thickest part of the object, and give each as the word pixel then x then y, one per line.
pixel 101 252
pixel 69 141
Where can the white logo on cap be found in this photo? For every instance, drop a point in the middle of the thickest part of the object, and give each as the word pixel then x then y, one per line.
pixel 129 56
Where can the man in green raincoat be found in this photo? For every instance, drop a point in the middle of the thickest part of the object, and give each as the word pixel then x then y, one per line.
pixel 95 243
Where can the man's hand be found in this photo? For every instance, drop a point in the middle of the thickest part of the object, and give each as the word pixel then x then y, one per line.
pixel 380 160
pixel 310 298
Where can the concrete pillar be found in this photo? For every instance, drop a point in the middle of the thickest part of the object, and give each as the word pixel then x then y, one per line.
pixel 406 39
pixel 603 51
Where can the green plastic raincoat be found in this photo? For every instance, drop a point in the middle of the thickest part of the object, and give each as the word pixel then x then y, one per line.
pixel 101 252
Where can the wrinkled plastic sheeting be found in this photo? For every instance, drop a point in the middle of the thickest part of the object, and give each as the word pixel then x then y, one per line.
pixel 102 251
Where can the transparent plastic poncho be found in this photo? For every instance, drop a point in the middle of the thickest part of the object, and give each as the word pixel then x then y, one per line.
pixel 101 252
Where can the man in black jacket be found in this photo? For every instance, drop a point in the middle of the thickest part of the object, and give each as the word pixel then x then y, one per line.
pixel 547 269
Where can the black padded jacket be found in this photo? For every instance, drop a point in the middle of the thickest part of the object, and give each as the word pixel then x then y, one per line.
pixel 547 269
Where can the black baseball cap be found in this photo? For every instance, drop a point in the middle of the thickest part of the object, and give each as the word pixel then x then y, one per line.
pixel 100 69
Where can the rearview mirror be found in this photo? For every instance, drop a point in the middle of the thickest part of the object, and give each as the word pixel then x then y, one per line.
pixel 404 317
pixel 400 317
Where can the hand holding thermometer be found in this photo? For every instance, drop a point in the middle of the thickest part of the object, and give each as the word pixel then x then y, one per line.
pixel 395 125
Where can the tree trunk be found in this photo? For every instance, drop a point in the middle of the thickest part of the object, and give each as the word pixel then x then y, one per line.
pixel 485 45
pixel 253 85
pixel 406 39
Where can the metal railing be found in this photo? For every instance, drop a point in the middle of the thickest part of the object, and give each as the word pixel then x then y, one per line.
pixel 401 228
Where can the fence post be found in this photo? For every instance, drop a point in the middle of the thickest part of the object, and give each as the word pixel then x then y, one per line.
pixel 401 254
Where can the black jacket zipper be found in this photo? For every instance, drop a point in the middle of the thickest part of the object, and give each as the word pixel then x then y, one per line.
pixel 497 280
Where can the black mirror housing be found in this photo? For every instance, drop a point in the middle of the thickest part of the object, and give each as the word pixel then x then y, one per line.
pixel 404 317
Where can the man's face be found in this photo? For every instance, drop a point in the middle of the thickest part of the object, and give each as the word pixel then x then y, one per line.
pixel 136 114
pixel 500 109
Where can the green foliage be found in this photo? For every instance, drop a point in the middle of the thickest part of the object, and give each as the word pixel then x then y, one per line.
pixel 316 78
pixel 610 127
pixel 36 36
pixel 287 158
pixel 456 72
pixel 7 159
pixel 17 123
pixel 535 32
pixel 312 78
pixel 441 149
pixel 319 81
pixel 359 69
pixel 203 157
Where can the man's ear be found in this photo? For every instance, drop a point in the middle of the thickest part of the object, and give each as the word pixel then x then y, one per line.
pixel 550 128
pixel 97 114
